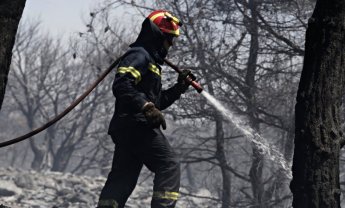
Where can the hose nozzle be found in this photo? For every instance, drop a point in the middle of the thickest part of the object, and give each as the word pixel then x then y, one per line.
pixel 196 85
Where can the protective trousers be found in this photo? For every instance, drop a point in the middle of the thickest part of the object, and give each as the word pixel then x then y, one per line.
pixel 134 148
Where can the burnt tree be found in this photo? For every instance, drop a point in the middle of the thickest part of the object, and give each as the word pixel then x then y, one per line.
pixel 318 136
pixel 10 13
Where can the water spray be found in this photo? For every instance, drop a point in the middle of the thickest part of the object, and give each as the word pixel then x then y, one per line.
pixel 260 143
pixel 264 147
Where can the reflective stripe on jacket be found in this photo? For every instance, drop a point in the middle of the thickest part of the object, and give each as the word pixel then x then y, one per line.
pixel 137 81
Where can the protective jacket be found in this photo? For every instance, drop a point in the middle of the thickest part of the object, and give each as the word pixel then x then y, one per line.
pixel 138 79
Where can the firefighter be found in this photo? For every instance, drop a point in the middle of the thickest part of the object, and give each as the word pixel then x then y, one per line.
pixel 135 126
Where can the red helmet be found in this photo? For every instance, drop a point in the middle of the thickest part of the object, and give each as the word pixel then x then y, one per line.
pixel 166 22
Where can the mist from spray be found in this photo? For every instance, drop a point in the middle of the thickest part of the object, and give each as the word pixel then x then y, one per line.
pixel 260 143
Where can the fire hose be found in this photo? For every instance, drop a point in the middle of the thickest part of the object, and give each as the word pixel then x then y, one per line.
pixel 194 84
pixel 84 95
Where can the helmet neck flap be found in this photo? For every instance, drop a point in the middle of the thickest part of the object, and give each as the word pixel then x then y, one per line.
pixel 152 39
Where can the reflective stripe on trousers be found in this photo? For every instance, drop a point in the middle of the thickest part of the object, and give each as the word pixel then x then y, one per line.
pixel 166 195
pixel 107 203
pixel 149 147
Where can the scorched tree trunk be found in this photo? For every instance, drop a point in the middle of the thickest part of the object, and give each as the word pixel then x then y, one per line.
pixel 318 136
pixel 10 14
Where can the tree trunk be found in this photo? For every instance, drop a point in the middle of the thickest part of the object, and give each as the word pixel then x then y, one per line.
pixel 221 157
pixel 318 136
pixel 37 161
pixel 220 141
pixel 10 13
pixel 37 149
pixel 256 168
pixel 62 159
pixel 191 179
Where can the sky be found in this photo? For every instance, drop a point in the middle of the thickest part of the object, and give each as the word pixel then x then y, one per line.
pixel 59 16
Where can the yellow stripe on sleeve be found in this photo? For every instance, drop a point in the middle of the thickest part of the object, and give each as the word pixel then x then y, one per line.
pixel 135 73
pixel 154 69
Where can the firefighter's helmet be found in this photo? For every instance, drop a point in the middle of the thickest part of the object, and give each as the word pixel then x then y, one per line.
pixel 166 22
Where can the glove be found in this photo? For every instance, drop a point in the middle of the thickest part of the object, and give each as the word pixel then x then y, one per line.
pixel 153 116
pixel 182 83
